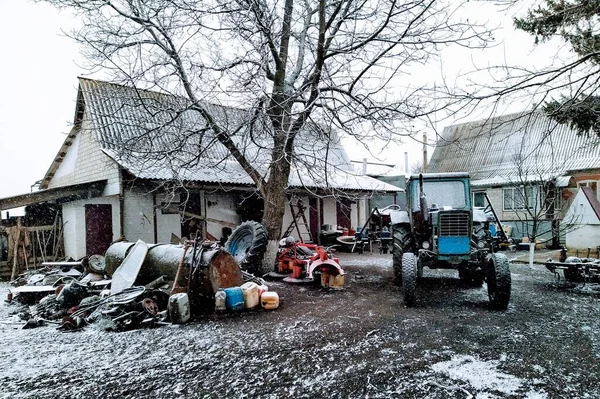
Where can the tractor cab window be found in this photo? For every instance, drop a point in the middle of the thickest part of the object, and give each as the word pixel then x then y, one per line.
pixel 449 193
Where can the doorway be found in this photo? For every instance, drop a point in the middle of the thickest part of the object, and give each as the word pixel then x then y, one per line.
pixel 98 228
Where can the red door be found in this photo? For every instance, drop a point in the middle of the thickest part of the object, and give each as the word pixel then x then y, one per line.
pixel 344 207
pixel 98 228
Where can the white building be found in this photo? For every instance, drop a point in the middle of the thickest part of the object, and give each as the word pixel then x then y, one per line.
pixel 584 214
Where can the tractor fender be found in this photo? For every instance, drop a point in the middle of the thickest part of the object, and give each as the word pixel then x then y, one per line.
pixel 321 263
pixel 399 217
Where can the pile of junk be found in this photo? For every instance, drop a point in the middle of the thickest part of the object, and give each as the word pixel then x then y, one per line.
pixel 140 285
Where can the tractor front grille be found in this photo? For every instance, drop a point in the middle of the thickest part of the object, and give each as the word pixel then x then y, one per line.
pixel 454 224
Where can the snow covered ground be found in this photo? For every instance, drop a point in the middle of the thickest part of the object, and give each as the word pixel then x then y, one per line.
pixel 358 342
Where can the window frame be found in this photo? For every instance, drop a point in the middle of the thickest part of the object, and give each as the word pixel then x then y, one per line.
pixel 514 189
pixel 482 193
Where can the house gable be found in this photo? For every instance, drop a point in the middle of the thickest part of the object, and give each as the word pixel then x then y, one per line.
pixel 80 158
pixel 585 208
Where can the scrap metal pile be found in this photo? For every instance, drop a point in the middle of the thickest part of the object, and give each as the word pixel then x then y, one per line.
pixel 139 285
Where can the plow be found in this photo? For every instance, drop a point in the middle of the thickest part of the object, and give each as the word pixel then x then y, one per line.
pixel 300 262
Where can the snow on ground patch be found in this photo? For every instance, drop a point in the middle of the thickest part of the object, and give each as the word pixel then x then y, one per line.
pixel 481 375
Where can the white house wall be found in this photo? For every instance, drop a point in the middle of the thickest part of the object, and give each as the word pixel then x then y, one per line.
pixel 220 207
pixel 354 208
pixel 138 223
pixel 330 211
pixel 581 212
pixel 167 223
pixel 586 236
pixel 74 224
pixel 84 162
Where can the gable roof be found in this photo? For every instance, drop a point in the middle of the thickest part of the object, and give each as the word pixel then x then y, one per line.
pixel 592 199
pixel 158 136
pixel 507 148
pixel 584 209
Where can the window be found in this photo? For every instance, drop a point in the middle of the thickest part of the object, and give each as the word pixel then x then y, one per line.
pixel 450 193
pixel 479 199
pixel 514 198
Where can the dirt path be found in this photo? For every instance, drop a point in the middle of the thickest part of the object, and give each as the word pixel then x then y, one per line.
pixel 359 342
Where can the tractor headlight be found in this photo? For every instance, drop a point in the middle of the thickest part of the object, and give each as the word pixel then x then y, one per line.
pixel 425 244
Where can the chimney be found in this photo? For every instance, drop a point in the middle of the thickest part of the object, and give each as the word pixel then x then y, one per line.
pixel 364 166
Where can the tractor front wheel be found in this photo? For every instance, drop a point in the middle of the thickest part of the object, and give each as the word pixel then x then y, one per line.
pixel 498 281
pixel 409 278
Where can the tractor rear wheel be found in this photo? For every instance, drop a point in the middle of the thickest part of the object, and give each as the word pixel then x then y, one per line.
pixel 247 243
pixel 498 281
pixel 402 242
pixel 409 278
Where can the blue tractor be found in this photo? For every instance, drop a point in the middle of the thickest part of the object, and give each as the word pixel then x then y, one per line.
pixel 440 230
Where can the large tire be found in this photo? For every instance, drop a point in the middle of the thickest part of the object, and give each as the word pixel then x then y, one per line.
pixel 397 263
pixel 402 242
pixel 498 281
pixel 409 278
pixel 247 244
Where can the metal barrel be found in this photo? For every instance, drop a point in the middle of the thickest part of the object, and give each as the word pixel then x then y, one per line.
pixel 217 268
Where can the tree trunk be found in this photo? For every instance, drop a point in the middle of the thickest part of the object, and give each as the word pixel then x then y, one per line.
pixel 275 202
pixel 531 252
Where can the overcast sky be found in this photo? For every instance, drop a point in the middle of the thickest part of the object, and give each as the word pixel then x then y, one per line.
pixel 37 102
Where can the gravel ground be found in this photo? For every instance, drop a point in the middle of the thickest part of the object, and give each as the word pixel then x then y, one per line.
pixel 357 342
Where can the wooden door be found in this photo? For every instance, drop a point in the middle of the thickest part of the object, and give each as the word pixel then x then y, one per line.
pixel 344 207
pixel 98 228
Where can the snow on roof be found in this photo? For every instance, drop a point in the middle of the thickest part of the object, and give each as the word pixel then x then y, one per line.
pixel 526 144
pixel 161 136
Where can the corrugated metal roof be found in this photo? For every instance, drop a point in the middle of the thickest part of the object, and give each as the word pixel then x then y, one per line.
pixel 159 136
pixel 526 144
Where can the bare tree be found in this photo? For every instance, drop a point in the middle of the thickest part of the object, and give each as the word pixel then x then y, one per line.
pixel 534 196
pixel 566 86
pixel 343 64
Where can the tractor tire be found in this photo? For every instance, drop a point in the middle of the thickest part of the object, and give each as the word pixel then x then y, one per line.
pixel 409 278
pixel 498 281
pixel 247 244
pixel 397 263
pixel 402 242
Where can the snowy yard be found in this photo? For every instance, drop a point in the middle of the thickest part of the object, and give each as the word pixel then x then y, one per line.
pixel 359 342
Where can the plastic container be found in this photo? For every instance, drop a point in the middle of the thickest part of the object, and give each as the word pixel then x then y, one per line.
pixel 262 289
pixel 179 308
pixel 220 300
pixel 269 300
pixel 234 298
pixel 250 291
pixel 336 282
